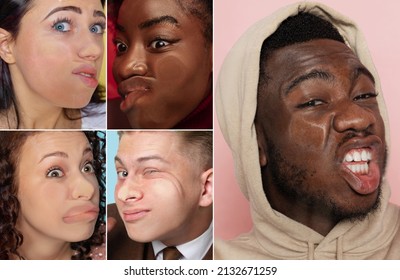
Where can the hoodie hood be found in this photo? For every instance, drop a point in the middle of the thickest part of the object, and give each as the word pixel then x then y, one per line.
pixel 274 235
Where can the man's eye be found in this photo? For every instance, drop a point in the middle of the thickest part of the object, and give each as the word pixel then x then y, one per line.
pixel 157 44
pixel 365 96
pixel 122 174
pixel 311 103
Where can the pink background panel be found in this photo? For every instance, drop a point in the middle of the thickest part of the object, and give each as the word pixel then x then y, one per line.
pixel 379 20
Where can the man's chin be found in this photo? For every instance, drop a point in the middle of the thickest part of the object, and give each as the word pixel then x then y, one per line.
pixel 357 213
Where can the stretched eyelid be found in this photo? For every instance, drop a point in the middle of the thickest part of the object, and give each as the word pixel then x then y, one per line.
pixel 91 168
pixel 55 172
pixel 101 28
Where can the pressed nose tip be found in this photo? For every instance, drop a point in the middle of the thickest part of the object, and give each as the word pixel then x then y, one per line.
pixel 128 193
pixel 83 190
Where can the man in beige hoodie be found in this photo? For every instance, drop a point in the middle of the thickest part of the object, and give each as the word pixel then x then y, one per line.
pixel 312 129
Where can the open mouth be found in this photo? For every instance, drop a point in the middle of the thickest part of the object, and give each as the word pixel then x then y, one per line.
pixel 358 161
pixel 361 170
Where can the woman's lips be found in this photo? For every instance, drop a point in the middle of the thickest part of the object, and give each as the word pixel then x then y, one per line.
pixel 131 90
pixel 87 74
pixel 82 213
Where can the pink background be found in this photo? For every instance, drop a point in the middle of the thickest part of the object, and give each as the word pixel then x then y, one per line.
pixel 379 20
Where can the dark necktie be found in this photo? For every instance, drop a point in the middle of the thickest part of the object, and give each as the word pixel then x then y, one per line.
pixel 171 253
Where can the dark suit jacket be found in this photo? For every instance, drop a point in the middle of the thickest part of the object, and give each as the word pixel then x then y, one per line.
pixel 121 247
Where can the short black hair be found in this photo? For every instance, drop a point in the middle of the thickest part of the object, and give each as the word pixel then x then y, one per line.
pixel 296 29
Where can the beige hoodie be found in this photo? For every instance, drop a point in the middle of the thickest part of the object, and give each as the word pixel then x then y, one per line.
pixel 275 236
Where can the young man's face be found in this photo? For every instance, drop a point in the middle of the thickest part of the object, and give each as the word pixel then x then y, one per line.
pixel 320 130
pixel 163 65
pixel 159 188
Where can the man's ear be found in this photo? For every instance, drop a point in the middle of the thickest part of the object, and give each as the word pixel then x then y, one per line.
pixel 262 146
pixel 207 182
pixel 6 42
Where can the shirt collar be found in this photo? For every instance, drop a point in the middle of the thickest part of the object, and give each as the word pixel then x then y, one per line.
pixel 195 249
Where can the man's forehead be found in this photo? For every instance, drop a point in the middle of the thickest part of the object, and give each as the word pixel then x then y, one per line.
pixel 287 64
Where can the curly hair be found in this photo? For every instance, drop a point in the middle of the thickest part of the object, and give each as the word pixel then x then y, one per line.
pixel 11 239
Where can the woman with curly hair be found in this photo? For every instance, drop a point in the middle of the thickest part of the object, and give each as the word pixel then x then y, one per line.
pixel 52 195
pixel 51 54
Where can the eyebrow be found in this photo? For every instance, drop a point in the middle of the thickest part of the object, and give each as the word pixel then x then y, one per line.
pixel 326 76
pixel 314 74
pixel 362 71
pixel 63 154
pixel 153 21
pixel 74 9
pixel 143 159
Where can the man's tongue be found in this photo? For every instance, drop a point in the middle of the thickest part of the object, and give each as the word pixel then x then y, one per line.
pixel 361 178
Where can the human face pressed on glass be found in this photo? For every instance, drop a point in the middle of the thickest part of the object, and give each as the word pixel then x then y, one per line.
pixel 159 189
pixel 163 65
pixel 57 188
pixel 320 130
pixel 58 52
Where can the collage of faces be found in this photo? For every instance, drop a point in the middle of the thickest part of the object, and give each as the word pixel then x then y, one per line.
pixel 110 122
pixel 76 75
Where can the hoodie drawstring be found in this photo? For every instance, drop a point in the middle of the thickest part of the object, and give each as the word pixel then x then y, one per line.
pixel 310 250
pixel 339 248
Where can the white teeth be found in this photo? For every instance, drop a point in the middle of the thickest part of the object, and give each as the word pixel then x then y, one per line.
pixel 357 161
pixel 86 75
pixel 357 156
pixel 349 157
pixel 364 155
pixel 359 168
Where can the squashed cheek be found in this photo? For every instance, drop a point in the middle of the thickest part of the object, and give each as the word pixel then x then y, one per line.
pixel 170 71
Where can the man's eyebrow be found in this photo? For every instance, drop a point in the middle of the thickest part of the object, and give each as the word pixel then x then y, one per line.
pixel 143 159
pixel 314 74
pixel 66 8
pixel 158 20
pixel 362 71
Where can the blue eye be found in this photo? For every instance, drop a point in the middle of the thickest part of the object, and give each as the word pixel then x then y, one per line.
pixel 54 172
pixel 97 28
pixel 62 25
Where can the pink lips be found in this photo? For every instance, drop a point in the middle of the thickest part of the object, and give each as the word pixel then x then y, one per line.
pixel 82 213
pixel 134 215
pixel 87 74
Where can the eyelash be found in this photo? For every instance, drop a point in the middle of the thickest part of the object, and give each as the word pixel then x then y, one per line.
pixel 59 21
pixel 52 169
pixel 69 21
